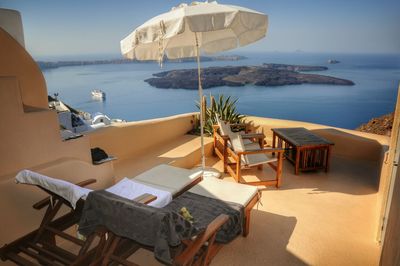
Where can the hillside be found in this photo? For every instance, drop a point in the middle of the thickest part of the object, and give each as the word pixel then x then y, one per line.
pixel 380 125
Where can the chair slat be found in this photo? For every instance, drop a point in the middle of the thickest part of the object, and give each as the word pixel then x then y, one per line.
pixel 50 254
pixel 20 260
pixel 40 258
pixel 65 236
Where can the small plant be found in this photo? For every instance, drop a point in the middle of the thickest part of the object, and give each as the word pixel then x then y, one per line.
pixel 224 107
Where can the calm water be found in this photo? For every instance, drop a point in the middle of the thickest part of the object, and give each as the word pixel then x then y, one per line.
pixel 130 98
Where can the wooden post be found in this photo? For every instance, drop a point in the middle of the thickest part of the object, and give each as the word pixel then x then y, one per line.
pixel 279 170
pixel 297 162
pixel 225 154
pixel 273 142
pixel 328 155
pixel 204 108
pixel 386 183
pixel 238 168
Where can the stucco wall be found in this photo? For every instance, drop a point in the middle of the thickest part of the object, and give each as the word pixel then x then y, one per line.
pixel 10 21
pixel 133 138
pixel 30 139
pixel 15 61
pixel 30 130
pixel 348 143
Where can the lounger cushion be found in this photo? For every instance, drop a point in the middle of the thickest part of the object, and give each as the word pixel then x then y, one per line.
pixel 167 177
pixel 131 189
pixel 225 190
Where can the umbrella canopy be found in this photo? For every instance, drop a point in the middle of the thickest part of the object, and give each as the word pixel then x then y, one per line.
pixel 173 34
pixel 188 30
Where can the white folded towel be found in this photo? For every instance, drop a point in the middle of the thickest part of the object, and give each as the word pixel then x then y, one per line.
pixel 72 193
pixel 65 189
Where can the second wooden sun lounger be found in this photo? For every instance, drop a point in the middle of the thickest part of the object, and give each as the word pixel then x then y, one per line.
pixel 173 179
pixel 163 231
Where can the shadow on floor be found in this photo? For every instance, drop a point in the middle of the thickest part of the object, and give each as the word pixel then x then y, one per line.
pixel 345 176
pixel 271 233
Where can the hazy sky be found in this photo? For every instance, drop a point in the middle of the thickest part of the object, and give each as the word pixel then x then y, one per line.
pixel 54 28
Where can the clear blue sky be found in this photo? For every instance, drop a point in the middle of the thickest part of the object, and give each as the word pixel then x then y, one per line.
pixel 95 27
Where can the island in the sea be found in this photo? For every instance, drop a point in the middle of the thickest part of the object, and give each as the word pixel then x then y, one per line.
pixel 50 65
pixel 264 75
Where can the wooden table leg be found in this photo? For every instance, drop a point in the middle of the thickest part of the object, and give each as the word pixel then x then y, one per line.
pixel 297 162
pixel 273 141
pixel 328 155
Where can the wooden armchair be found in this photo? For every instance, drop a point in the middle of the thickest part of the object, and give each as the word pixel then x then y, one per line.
pixel 244 157
pixel 221 134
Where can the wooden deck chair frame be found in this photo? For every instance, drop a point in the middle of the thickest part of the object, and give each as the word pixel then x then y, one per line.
pixel 235 168
pixel 41 243
pixel 221 145
pixel 199 251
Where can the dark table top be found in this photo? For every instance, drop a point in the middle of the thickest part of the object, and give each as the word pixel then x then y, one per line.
pixel 299 136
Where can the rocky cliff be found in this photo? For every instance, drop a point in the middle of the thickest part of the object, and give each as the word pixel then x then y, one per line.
pixel 380 125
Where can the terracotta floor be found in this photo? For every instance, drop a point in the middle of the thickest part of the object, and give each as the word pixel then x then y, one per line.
pixel 313 219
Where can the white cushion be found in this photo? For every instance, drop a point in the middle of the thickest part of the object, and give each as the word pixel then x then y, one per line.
pixel 249 142
pixel 167 177
pixel 225 191
pixel 237 142
pixel 131 189
pixel 238 146
pixel 251 146
pixel 250 159
pixel 259 158
pixel 224 127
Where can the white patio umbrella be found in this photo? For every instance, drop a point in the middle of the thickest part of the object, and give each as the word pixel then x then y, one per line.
pixel 188 30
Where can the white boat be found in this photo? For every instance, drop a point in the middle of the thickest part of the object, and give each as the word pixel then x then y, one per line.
pixel 333 61
pixel 98 94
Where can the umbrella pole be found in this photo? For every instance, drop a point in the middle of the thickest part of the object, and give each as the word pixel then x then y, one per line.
pixel 203 159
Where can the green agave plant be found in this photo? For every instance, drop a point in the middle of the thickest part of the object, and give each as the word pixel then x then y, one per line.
pixel 224 107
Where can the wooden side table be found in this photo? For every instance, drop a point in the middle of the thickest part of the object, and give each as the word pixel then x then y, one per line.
pixel 303 148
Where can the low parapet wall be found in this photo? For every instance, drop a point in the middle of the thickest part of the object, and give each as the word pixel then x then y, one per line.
pixel 348 143
pixel 131 139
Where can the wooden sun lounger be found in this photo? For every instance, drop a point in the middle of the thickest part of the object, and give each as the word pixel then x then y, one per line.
pixel 175 178
pixel 40 245
pixel 199 251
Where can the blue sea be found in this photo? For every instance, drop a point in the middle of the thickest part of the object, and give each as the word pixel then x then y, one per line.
pixel 376 79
